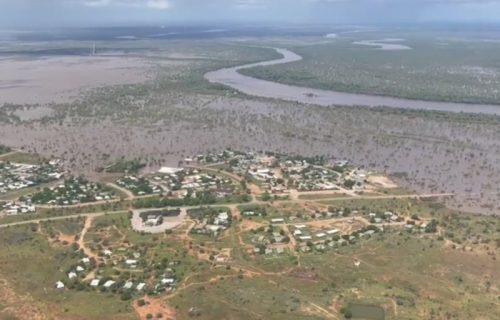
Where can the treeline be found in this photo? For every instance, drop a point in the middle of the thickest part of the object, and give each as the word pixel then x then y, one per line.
pixel 200 198
pixel 4 149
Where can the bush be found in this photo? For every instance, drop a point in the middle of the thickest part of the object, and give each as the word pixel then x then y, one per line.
pixel 126 296
pixel 141 303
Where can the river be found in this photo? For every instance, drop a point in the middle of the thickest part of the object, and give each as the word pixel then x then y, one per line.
pixel 268 89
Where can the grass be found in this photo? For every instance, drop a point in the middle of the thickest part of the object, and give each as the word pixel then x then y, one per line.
pixel 322 196
pixel 23 247
pixel 56 213
pixel 406 275
pixel 22 157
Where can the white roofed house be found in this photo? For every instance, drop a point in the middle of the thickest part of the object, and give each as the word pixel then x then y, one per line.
pixel 85 260
pixel 131 263
pixel 170 170
pixel 140 286
pixel 95 282
pixel 128 285
pixel 222 219
pixel 277 220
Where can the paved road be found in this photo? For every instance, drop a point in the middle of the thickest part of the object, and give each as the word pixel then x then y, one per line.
pixel 232 205
pixel 92 214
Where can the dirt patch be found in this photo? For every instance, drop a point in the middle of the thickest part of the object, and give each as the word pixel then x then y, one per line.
pixel 155 307
pixel 382 181
pixel 81 240
pixel 68 238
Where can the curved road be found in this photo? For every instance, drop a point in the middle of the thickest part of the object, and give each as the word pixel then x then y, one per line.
pixel 268 89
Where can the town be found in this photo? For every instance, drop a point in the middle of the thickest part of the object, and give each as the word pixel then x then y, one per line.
pixel 233 211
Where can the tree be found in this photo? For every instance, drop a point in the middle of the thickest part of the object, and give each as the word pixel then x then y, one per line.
pixel 266 196
pixel 349 184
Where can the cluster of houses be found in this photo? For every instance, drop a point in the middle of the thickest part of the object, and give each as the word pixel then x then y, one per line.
pixel 138 185
pixel 165 282
pixel 183 181
pixel 385 217
pixel 16 176
pixel 210 222
pixel 270 240
pixel 329 238
pixel 15 208
pixel 305 176
pixel 281 173
pixel 73 191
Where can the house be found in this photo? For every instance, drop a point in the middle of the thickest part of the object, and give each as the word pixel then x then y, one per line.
pixel 140 286
pixel 109 284
pixel 131 262
pixel 305 249
pixel 170 170
pixel 107 253
pixel 85 260
pixel 94 283
pixel 72 275
pixel 277 220
pixel 278 239
pixel 321 235
pixel 305 238
pixel 332 232
pixel 152 221
pixel 79 269
pixel 320 247
pixel 59 285
pixel 221 219
pixel 128 285
pixel 168 281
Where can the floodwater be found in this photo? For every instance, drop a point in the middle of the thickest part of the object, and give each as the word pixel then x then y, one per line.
pixel 268 89
pixel 384 44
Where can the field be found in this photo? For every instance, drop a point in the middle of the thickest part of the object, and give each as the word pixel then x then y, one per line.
pixel 425 72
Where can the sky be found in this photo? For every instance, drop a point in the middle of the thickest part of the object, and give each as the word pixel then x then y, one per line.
pixel 58 13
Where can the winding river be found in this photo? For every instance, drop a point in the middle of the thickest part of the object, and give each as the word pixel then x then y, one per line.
pixel 268 89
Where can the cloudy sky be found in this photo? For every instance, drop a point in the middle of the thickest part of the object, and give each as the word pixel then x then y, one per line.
pixel 54 13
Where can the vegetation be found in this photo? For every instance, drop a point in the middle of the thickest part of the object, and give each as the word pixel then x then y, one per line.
pixel 125 166
pixel 201 198
pixel 4 149
pixel 426 72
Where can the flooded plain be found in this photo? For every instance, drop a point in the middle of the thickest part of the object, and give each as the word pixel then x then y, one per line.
pixel 262 88
pixel 44 80
pixel 389 44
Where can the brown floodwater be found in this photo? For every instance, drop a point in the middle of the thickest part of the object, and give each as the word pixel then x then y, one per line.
pixel 269 89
